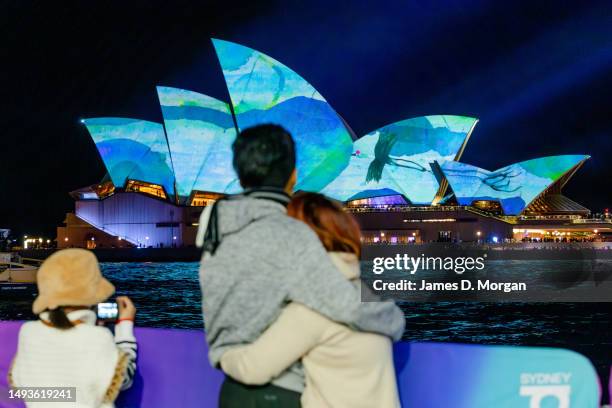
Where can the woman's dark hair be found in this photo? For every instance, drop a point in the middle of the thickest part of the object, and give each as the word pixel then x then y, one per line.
pixel 337 229
pixel 264 156
pixel 59 319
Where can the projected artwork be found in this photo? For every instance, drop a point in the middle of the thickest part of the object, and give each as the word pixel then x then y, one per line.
pixel 395 159
pixel 134 149
pixel 263 90
pixel 200 132
pixel 514 186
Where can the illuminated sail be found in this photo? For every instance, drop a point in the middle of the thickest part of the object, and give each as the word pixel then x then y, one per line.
pixel 514 186
pixel 133 149
pixel 200 132
pixel 396 159
pixel 263 90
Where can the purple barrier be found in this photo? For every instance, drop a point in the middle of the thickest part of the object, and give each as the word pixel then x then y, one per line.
pixel 173 371
pixel 8 346
pixel 433 375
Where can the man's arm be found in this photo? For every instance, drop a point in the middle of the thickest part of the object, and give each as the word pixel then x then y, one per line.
pixel 288 339
pixel 316 283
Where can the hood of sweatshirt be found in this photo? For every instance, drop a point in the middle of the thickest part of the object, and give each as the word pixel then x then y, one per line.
pixel 237 213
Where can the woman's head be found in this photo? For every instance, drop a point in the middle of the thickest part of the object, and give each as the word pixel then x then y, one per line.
pixel 70 277
pixel 337 229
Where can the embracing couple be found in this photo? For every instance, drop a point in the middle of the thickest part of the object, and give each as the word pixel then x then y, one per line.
pixel 281 293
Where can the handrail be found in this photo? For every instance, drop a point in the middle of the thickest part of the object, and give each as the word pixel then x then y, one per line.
pixel 490 215
pixel 109 231
pixel 17 264
pixel 408 208
pixel 32 260
pixel 507 219
pixel 591 221
pixel 402 208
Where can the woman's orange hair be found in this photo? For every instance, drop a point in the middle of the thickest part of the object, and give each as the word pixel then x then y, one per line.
pixel 337 229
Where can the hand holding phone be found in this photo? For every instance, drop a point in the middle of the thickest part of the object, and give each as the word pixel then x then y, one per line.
pixel 124 309
pixel 127 310
pixel 107 311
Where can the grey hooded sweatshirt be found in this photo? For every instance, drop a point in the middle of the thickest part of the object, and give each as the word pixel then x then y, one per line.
pixel 266 259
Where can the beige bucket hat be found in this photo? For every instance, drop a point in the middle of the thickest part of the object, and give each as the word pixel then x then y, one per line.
pixel 71 277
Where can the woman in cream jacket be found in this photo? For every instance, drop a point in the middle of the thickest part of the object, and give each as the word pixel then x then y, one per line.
pixel 65 347
pixel 343 367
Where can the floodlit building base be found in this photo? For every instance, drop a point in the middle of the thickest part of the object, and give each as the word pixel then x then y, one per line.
pixel 78 233
pixel 403 225
pixel 129 219
pixel 123 219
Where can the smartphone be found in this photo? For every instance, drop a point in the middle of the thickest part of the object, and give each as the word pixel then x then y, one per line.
pixel 107 311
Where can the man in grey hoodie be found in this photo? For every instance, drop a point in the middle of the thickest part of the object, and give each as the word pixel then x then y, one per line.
pixel 257 259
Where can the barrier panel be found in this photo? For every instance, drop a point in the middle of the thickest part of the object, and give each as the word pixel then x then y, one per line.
pixel 173 371
pixel 433 375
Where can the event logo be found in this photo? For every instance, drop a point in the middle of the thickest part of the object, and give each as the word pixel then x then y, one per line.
pixel 549 387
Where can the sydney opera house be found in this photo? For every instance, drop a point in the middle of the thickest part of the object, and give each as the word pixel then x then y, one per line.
pixel 405 182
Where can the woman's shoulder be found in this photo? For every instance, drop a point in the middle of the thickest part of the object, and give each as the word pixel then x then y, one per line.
pixel 94 335
pixel 31 328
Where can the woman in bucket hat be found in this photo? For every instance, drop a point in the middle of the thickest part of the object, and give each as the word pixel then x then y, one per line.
pixel 65 347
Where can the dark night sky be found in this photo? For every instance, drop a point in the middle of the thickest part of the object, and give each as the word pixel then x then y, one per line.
pixel 537 74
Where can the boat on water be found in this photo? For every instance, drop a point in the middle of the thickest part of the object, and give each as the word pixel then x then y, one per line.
pixel 16 277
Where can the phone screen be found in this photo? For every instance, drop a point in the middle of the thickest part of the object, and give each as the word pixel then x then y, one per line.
pixel 108 311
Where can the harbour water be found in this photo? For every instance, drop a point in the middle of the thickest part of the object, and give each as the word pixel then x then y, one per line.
pixel 168 295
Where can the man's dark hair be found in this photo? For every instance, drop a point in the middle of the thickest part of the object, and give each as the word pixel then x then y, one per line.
pixel 264 156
